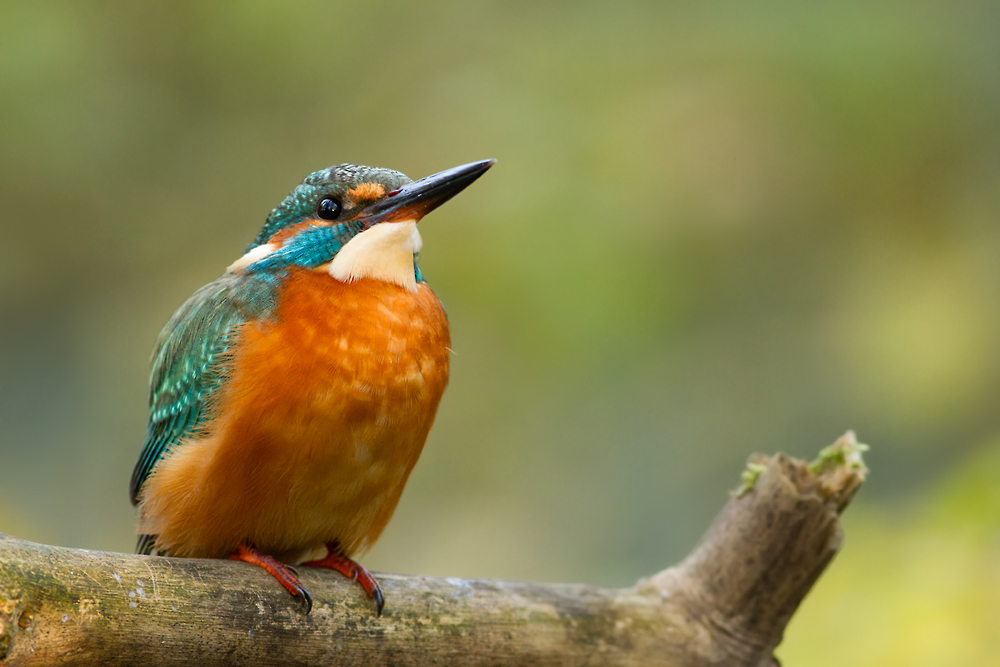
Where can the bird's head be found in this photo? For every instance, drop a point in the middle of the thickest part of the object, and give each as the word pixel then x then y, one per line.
pixel 354 221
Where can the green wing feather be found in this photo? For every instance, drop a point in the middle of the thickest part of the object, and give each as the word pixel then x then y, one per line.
pixel 191 362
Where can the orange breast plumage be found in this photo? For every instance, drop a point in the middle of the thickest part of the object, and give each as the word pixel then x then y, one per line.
pixel 324 415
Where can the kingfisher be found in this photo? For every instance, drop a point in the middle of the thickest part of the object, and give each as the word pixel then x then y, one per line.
pixel 291 397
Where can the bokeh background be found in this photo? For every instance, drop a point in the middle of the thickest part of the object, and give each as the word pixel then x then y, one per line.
pixel 714 228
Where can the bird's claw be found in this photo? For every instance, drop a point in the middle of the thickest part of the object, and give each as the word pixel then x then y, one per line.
pixel 286 575
pixel 335 560
pixel 305 600
pixel 378 597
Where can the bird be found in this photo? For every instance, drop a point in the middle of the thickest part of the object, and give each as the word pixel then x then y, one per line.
pixel 290 398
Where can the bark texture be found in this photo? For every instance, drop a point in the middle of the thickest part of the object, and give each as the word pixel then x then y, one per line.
pixel 725 604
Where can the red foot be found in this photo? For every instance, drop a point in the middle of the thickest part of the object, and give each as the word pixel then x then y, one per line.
pixel 335 560
pixel 285 574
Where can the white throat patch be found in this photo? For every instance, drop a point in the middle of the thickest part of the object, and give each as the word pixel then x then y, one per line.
pixel 383 252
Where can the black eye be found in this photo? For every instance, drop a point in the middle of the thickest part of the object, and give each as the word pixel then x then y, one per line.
pixel 328 209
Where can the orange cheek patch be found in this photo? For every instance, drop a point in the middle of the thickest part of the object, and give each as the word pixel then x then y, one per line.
pixel 370 190
pixel 281 235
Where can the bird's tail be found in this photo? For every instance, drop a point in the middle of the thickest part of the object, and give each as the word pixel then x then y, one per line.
pixel 147 545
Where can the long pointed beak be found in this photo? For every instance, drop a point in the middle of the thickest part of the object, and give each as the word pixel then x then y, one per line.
pixel 415 200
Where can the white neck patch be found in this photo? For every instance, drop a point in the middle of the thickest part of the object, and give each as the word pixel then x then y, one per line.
pixel 383 252
pixel 260 252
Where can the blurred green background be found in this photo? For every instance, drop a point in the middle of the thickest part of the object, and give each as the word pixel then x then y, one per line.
pixel 714 228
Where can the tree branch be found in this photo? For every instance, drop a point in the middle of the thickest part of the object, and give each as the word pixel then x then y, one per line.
pixel 726 604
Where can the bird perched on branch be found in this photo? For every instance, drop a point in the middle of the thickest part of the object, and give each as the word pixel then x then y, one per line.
pixel 290 398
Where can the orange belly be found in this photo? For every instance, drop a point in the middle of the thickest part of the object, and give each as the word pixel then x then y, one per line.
pixel 315 434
